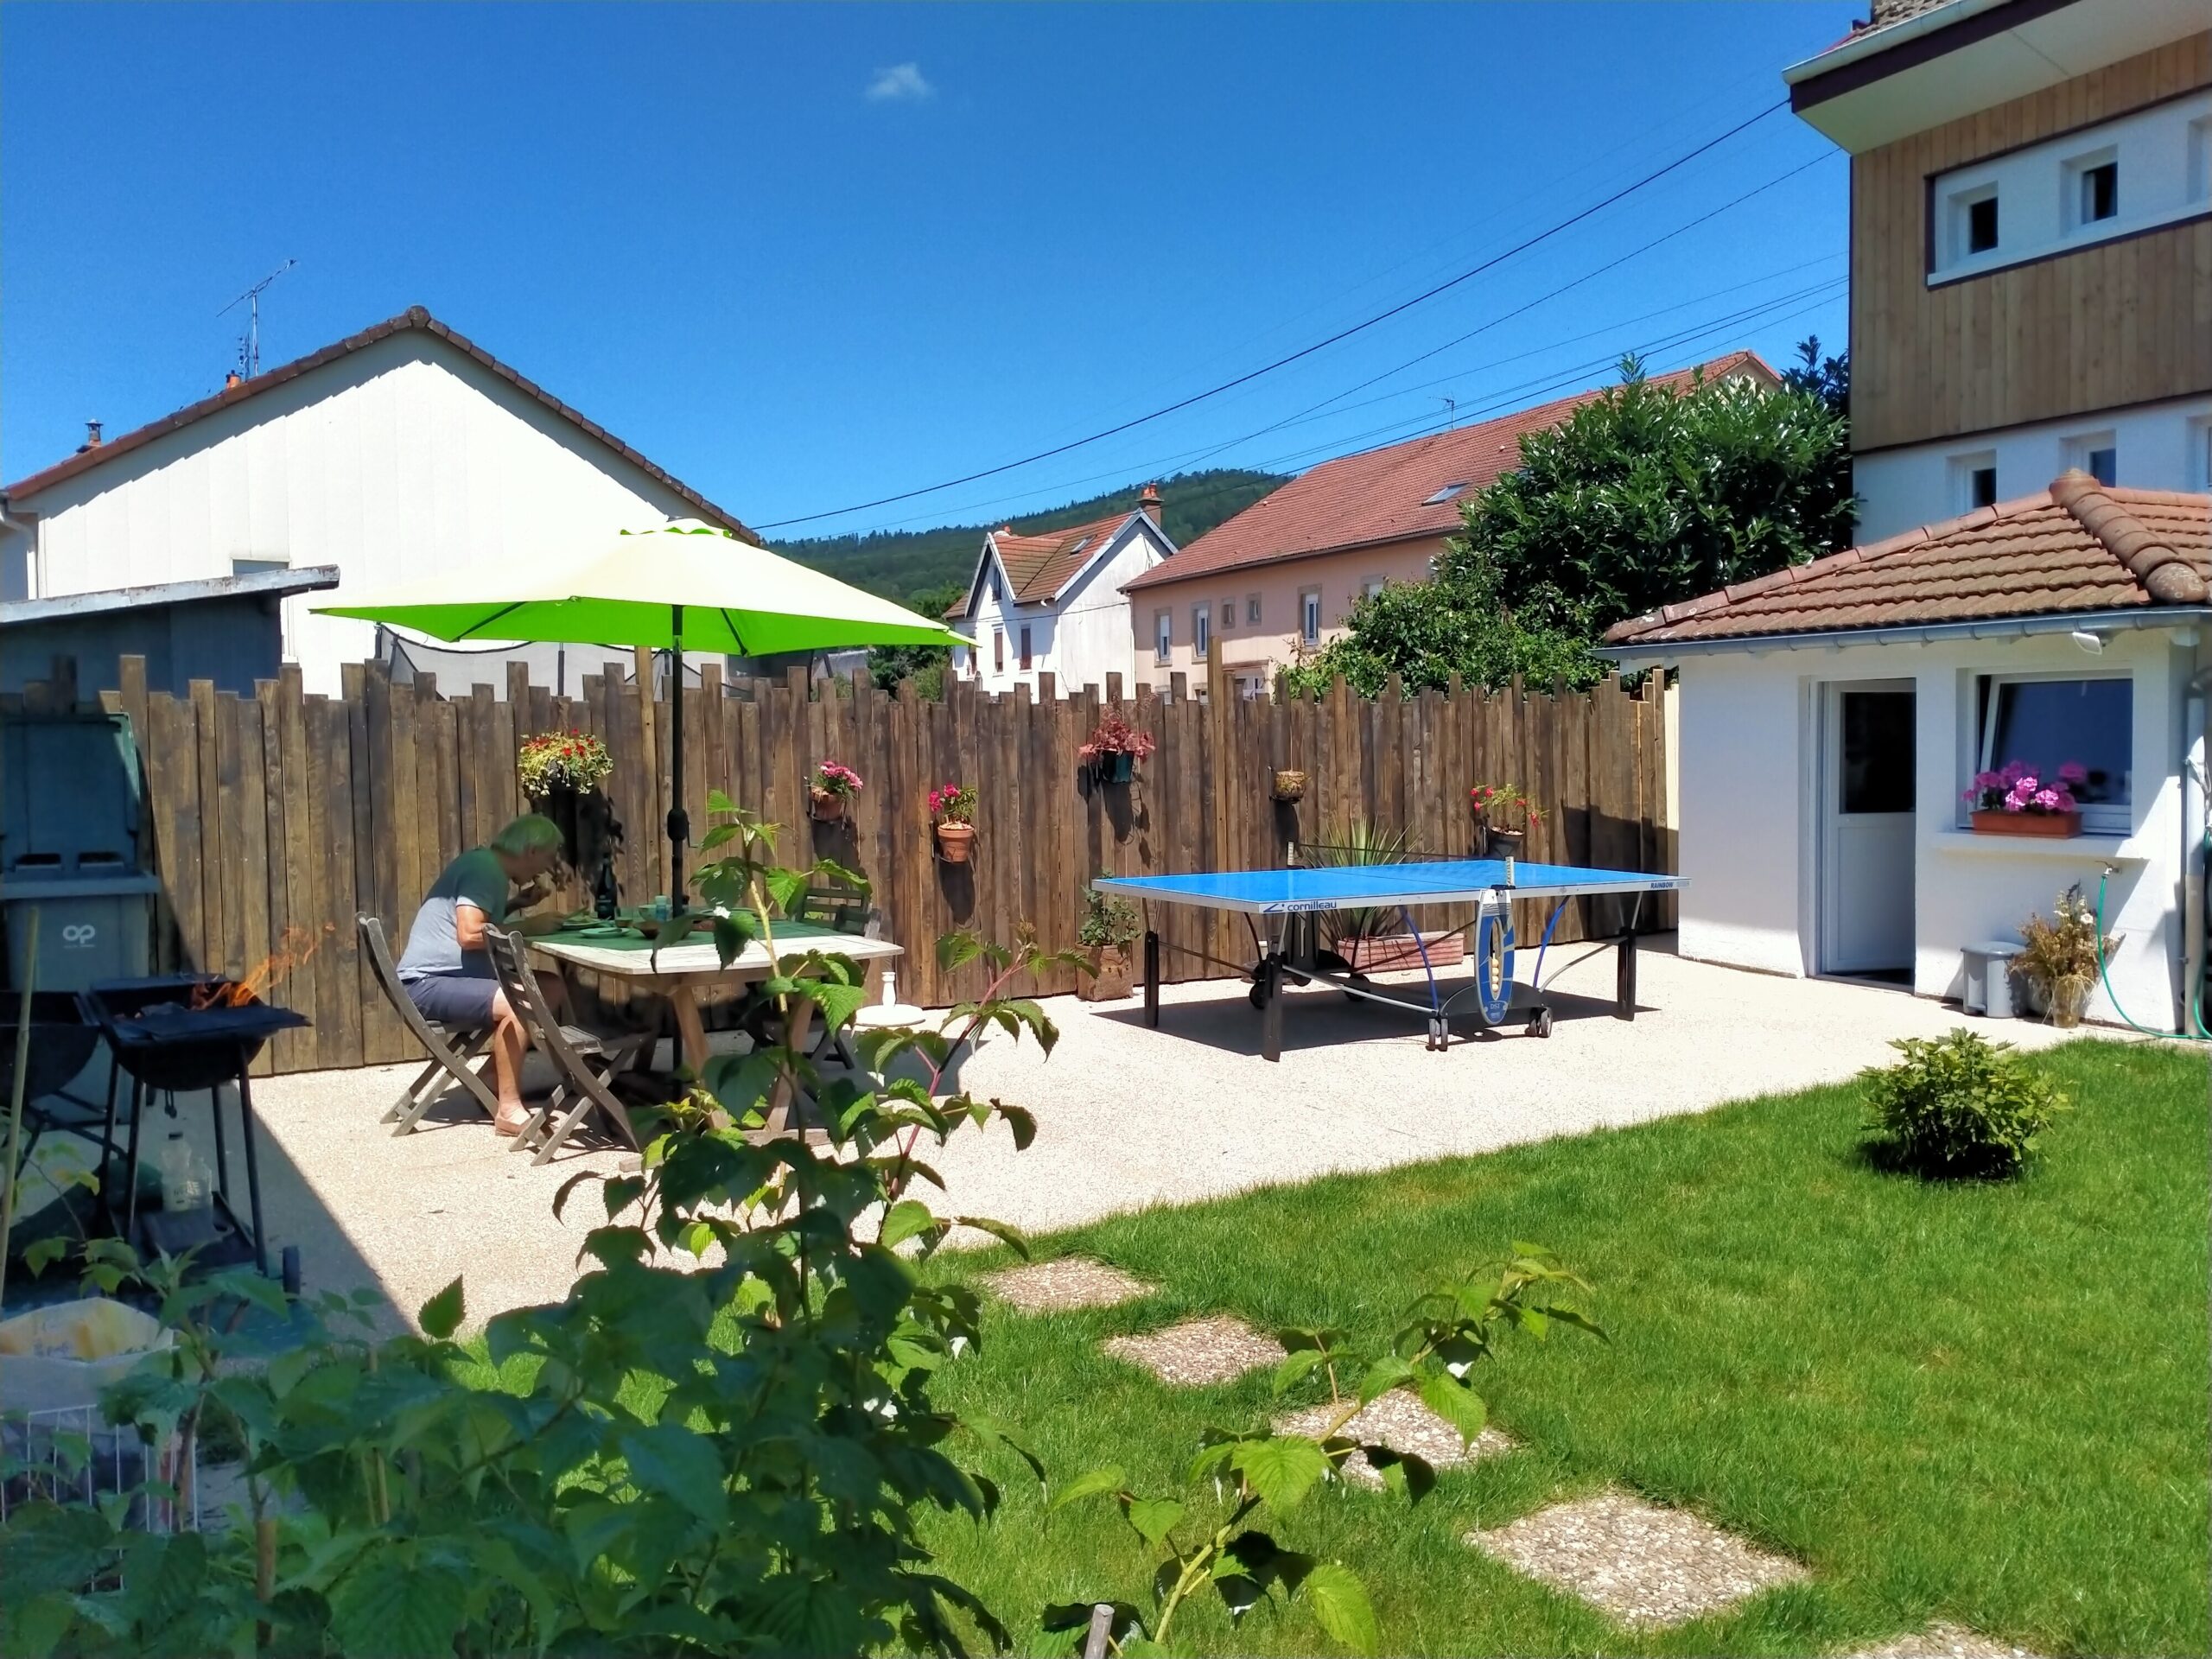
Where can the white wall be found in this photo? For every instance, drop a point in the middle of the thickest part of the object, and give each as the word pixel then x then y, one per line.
pixel 1747 823
pixel 2158 447
pixel 404 460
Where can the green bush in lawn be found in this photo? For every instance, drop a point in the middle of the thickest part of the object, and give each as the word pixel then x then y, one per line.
pixel 1958 1106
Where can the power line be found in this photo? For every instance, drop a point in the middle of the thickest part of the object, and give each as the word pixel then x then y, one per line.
pixel 1304 352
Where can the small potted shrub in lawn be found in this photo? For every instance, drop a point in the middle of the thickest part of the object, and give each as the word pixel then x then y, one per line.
pixel 1958 1106
pixel 2018 800
pixel 1504 817
pixel 1108 927
pixel 952 808
pixel 2062 958
pixel 831 791
pixel 1114 749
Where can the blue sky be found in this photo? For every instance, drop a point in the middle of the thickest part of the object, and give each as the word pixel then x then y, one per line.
pixel 806 257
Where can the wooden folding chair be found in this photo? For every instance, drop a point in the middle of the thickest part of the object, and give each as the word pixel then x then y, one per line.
pixel 584 1060
pixel 451 1049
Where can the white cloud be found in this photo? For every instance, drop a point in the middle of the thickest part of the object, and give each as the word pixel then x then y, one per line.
pixel 901 83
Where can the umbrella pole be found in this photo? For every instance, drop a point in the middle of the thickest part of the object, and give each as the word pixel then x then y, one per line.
pixel 679 821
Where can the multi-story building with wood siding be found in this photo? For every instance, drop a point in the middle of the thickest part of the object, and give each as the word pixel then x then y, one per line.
pixel 2030 246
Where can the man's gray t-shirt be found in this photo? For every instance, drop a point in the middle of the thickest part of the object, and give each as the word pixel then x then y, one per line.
pixel 434 942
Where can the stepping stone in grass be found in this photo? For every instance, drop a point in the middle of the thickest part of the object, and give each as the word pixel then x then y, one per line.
pixel 1943 1641
pixel 1071 1282
pixel 1399 1420
pixel 1643 1565
pixel 1219 1348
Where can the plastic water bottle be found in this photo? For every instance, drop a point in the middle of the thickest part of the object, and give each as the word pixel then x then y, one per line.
pixel 183 1174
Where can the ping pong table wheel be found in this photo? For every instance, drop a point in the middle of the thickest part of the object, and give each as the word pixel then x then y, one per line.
pixel 1439 1036
pixel 1540 1022
pixel 1256 996
pixel 291 1269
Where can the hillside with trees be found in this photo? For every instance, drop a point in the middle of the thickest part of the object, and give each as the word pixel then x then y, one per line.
pixel 907 564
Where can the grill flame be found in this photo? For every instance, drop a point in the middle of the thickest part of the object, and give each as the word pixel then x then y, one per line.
pixel 293 946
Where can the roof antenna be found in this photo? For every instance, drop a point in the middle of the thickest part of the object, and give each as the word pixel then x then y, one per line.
pixel 249 342
pixel 1451 413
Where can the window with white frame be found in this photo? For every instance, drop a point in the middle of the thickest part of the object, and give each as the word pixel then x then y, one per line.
pixel 1201 630
pixel 1252 610
pixel 1973 481
pixel 998 651
pixel 1163 634
pixel 2080 729
pixel 1309 615
pixel 2148 168
pixel 1371 586
pixel 2096 453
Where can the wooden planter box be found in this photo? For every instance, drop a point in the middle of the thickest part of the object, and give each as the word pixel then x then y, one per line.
pixel 1109 981
pixel 1392 951
pixel 2054 826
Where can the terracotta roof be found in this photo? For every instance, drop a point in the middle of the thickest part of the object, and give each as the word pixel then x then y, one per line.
pixel 1038 567
pixel 2077 546
pixel 413 318
pixel 1384 495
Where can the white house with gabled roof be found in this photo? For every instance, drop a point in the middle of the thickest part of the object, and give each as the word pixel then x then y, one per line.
pixel 1052 603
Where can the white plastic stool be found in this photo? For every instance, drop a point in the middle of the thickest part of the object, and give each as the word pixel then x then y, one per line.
pixel 1989 978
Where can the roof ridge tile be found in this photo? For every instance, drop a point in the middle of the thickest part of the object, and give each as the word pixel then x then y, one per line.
pixel 2152 561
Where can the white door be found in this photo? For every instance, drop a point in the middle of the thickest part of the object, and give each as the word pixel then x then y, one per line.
pixel 1866 818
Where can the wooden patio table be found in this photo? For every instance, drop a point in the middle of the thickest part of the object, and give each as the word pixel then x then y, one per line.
pixel 679 972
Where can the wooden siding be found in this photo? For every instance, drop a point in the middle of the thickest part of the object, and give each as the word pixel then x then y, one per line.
pixel 2125 322
pixel 287 810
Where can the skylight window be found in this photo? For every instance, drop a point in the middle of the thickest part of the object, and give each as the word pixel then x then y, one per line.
pixel 1079 546
pixel 1444 494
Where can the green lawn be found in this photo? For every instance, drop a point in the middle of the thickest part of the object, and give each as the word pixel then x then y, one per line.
pixel 1987 1403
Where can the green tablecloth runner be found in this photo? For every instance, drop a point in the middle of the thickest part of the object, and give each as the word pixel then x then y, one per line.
pixel 787 933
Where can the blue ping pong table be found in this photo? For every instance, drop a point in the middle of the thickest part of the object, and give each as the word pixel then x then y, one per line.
pixel 1282 908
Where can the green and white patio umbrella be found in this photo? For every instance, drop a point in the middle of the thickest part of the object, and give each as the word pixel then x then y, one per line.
pixel 682 587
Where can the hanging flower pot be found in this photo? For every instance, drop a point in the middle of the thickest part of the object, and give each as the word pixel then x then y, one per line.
pixel 1113 750
pixel 953 806
pixel 829 790
pixel 1504 843
pixel 1290 786
pixel 955 842
pixel 824 805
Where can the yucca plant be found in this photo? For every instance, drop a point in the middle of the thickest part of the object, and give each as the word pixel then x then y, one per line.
pixel 1358 842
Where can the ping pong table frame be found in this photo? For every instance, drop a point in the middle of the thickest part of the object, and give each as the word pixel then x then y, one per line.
pixel 1287 939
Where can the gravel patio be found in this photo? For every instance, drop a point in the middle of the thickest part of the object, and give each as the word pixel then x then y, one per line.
pixel 1126 1117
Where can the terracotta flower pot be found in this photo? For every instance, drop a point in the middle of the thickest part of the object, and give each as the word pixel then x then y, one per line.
pixel 1290 785
pixel 2056 826
pixel 1108 980
pixel 954 841
pixel 825 806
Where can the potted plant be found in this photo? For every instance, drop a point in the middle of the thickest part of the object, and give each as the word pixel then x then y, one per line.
pixel 1504 814
pixel 1113 750
pixel 2062 958
pixel 1108 927
pixel 1372 940
pixel 831 790
pixel 952 808
pixel 559 772
pixel 2018 800
pixel 1289 785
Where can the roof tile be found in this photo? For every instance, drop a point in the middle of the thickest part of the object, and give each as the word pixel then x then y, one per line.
pixel 1384 495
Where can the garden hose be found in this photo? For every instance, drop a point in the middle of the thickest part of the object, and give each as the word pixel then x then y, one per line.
pixel 2193 997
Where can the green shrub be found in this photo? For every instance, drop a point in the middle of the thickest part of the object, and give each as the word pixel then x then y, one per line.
pixel 1958 1106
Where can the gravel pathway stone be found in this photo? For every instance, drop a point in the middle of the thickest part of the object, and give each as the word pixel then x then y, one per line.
pixel 1943 1641
pixel 1072 1281
pixel 1643 1565
pixel 1399 1420
pixel 1218 1348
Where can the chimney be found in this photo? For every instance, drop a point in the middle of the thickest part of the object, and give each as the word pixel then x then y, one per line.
pixel 1149 502
pixel 92 437
pixel 233 378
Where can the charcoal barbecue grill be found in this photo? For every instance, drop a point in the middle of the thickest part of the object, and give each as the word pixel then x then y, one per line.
pixel 181 1033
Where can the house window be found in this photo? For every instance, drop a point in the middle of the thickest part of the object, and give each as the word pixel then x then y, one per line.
pixel 998 593
pixel 2084 724
pixel 1163 634
pixel 1201 630
pixel 257 567
pixel 1973 481
pixel 1370 586
pixel 998 651
pixel 1309 615
pixel 1977 222
pixel 1252 610
pixel 2200 448
pixel 2095 453
pixel 2096 191
pixel 1025 645
pixel 1443 495
pixel 1228 614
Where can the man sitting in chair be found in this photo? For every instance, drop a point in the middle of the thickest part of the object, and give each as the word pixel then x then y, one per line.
pixel 446 971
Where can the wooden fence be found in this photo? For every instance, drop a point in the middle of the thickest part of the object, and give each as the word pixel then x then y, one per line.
pixel 280 810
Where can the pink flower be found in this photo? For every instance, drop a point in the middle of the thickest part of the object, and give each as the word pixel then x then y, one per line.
pixel 2073 772
pixel 2047 799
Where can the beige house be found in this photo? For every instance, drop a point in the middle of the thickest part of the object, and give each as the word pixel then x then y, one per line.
pixel 1280 579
